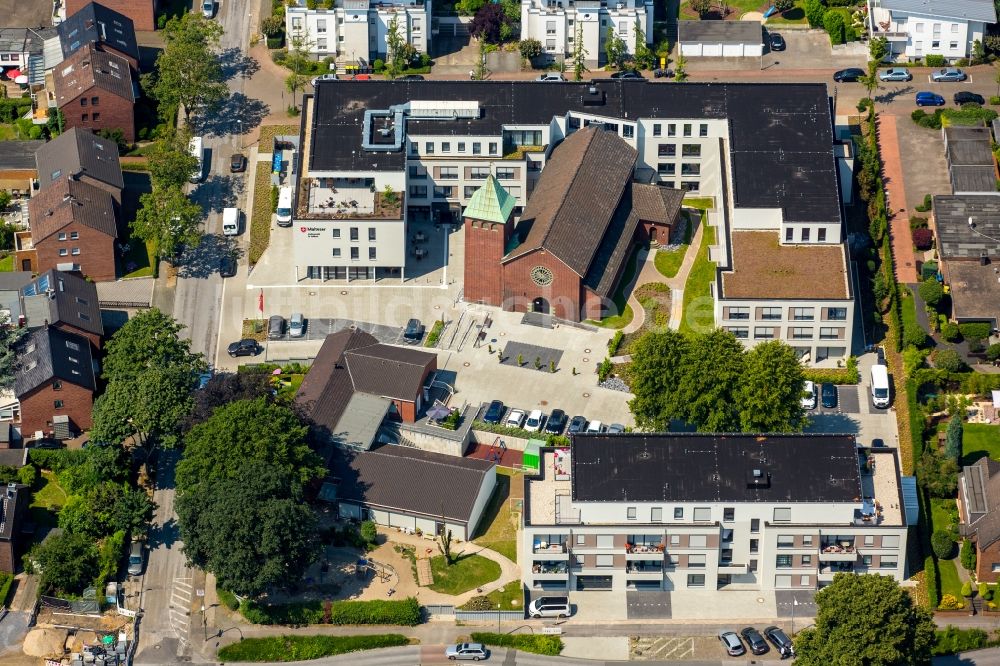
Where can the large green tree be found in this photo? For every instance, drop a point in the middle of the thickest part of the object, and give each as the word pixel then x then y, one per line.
pixel 394 42
pixel 168 219
pixel 297 61
pixel 579 60
pixel 642 54
pixel 105 509
pixel 953 439
pixel 9 337
pixel 170 160
pixel 769 393
pixel 707 387
pixel 615 49
pixel 252 530
pixel 866 619
pixel 151 339
pixel 656 369
pixel 188 72
pixel 247 431
pixel 68 562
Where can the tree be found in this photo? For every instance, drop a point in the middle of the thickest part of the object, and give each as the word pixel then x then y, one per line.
pixel 914 336
pixel 814 10
pixel 446 544
pixel 113 415
pixel 878 49
pixel 68 563
pixel 992 352
pixel 931 292
pixel 169 220
pixel 394 49
pixel 680 68
pixel 188 72
pixel 10 337
pixel 469 7
pixel 150 339
pixel 643 55
pixel 272 26
pixel 703 7
pixel 968 555
pixel 833 23
pixel 656 369
pixel 615 49
pixel 485 25
pixel 253 529
pixel 298 62
pixel 117 135
pixel 247 431
pixel 105 509
pixel 866 619
pixel 769 394
pixel 953 439
pixel 530 48
pixel 713 369
pixel 949 360
pixel 95 465
pixel 937 474
pixel 579 54
pixel 369 532
pixel 54 122
pixel 870 79
pixel 227 387
pixel 942 544
pixel 978 52
pixel 481 71
pixel 170 160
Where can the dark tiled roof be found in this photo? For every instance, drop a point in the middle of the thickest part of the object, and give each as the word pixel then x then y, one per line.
pixel 720 32
pixel 12 506
pixel 49 353
pixel 89 68
pixel 653 203
pixel 975 291
pixel 981 494
pixel 573 204
pixel 614 247
pixel 387 371
pixel 956 239
pixel 68 201
pixel 78 152
pixel 18 155
pixel 96 23
pixel 715 468
pixel 973 179
pixel 67 299
pixel 412 481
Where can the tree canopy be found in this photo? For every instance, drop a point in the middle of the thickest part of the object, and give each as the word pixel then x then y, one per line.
pixel 106 509
pixel 769 393
pixel 615 49
pixel 170 160
pixel 168 219
pixel 149 340
pixel 487 24
pixel 226 387
pixel 9 337
pixel 866 619
pixel 188 71
pixel 67 561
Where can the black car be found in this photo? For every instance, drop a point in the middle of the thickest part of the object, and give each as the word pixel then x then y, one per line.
pixel 227 266
pixel 245 347
pixel 878 443
pixel 828 395
pixel 556 422
pixel 782 643
pixel 238 163
pixel 413 332
pixel 494 412
pixel 756 642
pixel 627 74
pixel 849 75
pixel 411 77
pixel 966 97
pixel 576 425
pixel 776 42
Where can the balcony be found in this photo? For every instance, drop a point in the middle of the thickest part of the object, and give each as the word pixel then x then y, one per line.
pixel 549 568
pixel 838 553
pixel 644 551
pixel 548 548
pixel 733 568
pixel 644 571
pixel 827 572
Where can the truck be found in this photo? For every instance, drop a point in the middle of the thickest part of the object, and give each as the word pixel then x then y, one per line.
pixel 880 386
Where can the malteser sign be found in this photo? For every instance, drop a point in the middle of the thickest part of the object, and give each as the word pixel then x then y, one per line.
pixel 311 232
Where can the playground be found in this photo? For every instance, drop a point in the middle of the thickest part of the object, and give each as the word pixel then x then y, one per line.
pixel 497 452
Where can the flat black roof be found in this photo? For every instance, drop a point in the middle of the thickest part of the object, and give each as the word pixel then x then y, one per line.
pixel 781 134
pixel 684 467
pixel 956 239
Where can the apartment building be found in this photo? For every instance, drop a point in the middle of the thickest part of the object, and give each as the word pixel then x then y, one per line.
pixel 557 24
pixel 693 512
pixel 918 28
pixel 355 30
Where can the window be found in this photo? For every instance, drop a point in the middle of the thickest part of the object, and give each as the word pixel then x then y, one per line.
pixel 477 148
pixel 605 541
pixel 807 540
pixel 739 313
pixel 581 539
pixel 753 565
pixel 81 301
pixel 550 27
pixel 445 146
pixel 696 561
pixel 788 235
pixel 679 513
pixel 657 129
pixel 741 332
pixel 754 525
pixel 628 131
pixel 336 252
pixel 630 513
pixel 96 117
pixel 805 234
pixel 783 581
pixel 866 560
pixel 696 580
pixel 417 171
pixel 698 541
pixel 444 192
pixel 448 173
pixel 836 314
pixel 479 173
pixel 656 515
pixel 703 129
pixel 763 333
pixel 493 145
pixel 84 317
pixel 56 385
pixel 919 27
pixel 57 404
pixel 807 560
pixel 954 27
pixel 783 515
pixel 691 150
pixel 666 169
pixel 888 562
pixel 56 174
pixel 687 129
pixel 935 43
pixel 371 233
pixel 821 234
pixel 85 117
pixel 770 314
pixel 354 233
pixel 429 148
pixel 321 25
pixel 728 515
pixel 690 169
pixel 372 254
pixel 419 191
pixel 74 235
pixel 470 190
pixel 63 252
pixel 754 546
pixel 75 252
pixel 689 185
pixel 786 541
pixel 799 333
pixel 94 101
pixel 605 560
pixel 805 580
pixel 505 173
pixel 666 150
pixel 675 540
pixel 623 27
pixel 802 314
pixel 83 101
pixel 62 235
pixel 702 514
pixel 355 253
pixel 826 333
pixel 783 562
pixel 890 541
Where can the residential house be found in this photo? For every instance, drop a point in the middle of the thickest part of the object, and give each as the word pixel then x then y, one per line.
pixel 95 91
pixel 13 516
pixel 142 13
pixel 558 24
pixel 17 167
pixel 979 512
pixel 966 231
pixel 64 301
pixel 916 29
pixel 25 49
pixel 99 25
pixel 81 155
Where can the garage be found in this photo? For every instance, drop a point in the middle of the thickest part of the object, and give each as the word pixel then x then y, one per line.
pixel 727 39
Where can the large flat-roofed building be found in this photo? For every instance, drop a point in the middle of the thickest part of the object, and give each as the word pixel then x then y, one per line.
pixel 681 512
pixel 968 227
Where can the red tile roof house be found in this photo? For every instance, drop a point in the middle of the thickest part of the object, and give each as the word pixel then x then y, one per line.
pixel 979 515
pixel 95 91
pixel 74 228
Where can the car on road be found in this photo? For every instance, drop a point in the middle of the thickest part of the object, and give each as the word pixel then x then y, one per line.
pixel 895 74
pixel 616 428
pixel 577 424
pixel 515 419
pixel 551 76
pixel 809 395
pixel 755 641
pixel 413 332
pixel 732 643
pixel 556 422
pixel 628 74
pixel 135 558
pixel 925 98
pixel 237 163
pixel 411 77
pixel 948 74
pixel 208 8
pixel 473 651
pixel 244 347
pixel 494 412
pixel 828 395
pixel 878 443
pixel 227 266
pixel 849 75
pixel 296 325
pixel 534 422
pixel 781 642
pixel 275 327
pixel 329 76
pixel 775 42
pixel 595 427
pixel 966 97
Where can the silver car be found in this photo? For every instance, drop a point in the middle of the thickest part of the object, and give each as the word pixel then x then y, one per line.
pixel 471 651
pixel 948 74
pixel 731 641
pixel 296 325
pixel 895 74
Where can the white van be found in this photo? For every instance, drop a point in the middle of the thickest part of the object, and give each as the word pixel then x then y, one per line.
pixel 549 607
pixel 880 386
pixel 284 211
pixel 230 221
pixel 197 149
pixel 208 8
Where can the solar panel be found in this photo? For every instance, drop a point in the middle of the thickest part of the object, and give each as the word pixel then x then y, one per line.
pixel 43 284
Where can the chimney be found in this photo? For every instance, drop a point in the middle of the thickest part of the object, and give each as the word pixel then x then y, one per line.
pixel 11 490
pixel 984 259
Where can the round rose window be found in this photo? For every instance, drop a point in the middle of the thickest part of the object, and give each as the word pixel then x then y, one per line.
pixel 541 276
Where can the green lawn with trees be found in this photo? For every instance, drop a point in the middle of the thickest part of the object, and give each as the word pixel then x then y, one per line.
pixel 698 309
pixel 465 572
pixel 509 597
pixel 978 440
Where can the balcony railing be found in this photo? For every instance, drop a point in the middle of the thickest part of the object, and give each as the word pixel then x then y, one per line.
pixel 554 548
pixel 640 548
pixel 549 568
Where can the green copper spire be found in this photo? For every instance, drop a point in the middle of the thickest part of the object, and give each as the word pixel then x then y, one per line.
pixel 490 203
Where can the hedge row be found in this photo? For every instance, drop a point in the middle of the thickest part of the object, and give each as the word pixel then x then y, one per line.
pixel 931 582
pixel 550 439
pixel 56 459
pixel 228 599
pixel 405 612
pixel 549 645
pixel 299 648
pixel 848 375
pixel 953 640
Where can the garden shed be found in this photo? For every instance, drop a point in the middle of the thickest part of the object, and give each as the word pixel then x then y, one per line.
pixel 720 38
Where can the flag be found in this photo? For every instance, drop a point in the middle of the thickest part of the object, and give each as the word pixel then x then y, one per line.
pixel 260 302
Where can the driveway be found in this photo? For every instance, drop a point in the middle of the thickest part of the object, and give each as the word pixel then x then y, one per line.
pixel 804 50
pixel 855 413
pixel 925 170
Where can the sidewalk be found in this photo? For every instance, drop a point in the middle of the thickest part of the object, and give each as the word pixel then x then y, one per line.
pixel 905 262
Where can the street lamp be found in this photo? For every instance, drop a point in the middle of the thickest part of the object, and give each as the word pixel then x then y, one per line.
pixel 498 618
pixel 204 622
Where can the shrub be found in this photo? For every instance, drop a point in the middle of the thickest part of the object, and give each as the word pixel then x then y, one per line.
pixel 993 352
pixel 301 648
pixel 272 26
pixel 478 603
pixel 914 335
pixel 983 590
pixel 835 26
pixel 917 222
pixel 923 238
pixel 275 42
pixel 966 589
pixel 952 640
pixel 926 205
pixel 930 579
pixel 548 645
pixel 814 13
pixel 978 330
pixel 968 559
pixel 435 334
pixel 108 557
pixel 530 48
pixel 604 369
pixel 935 60
pixel 951 332
pixel 931 292
pixel 6 580
pixel 404 612
pixel 942 545
pixel 228 599
pixel 27 475
pixel 497 429
pixel 948 359
pixel 950 602
pixel 994 99
pixel 615 342
pixel 369 532
pixel 274 198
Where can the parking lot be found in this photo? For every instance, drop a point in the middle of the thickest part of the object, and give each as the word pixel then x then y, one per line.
pixel 319 328
pixel 855 414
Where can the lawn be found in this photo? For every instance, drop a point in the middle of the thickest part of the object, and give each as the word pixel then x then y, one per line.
pixel 978 440
pixel 139 260
pixel 7 263
pixel 908 305
pixel 668 262
pixel 47 499
pixel 944 515
pixel 466 572
pixel 739 7
pixel 699 310
pixel 508 597
pixel 950 583
pixel 701 203
pixel 796 14
pixel 622 308
pixel 497 528
pixel 289 385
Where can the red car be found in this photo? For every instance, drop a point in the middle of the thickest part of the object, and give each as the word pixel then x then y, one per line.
pixel 362 77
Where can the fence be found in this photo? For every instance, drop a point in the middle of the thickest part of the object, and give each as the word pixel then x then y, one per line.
pixel 439 609
pixel 488 616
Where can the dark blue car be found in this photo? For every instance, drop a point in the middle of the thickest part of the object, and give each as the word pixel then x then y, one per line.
pixel 929 99
pixel 494 412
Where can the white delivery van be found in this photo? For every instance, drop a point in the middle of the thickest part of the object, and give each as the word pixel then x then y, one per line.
pixel 880 386
pixel 549 607
pixel 230 221
pixel 284 211
pixel 197 149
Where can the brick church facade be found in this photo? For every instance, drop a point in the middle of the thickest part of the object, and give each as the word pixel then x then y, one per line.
pixel 567 252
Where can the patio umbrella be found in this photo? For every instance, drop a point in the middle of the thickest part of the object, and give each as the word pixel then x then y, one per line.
pixel 438 412
pixel 21 80
pixel 13 73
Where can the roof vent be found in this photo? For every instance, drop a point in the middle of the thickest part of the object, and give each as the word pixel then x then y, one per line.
pixel 984 259
pixel 758 478
pixel 592 90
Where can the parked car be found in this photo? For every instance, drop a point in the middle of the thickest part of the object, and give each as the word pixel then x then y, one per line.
pixel 828 395
pixel 413 332
pixel 296 325
pixel 576 425
pixel 208 8
pixel 473 651
pixel 733 644
pixel 411 77
pixel 966 97
pixel 227 266
pixel 616 428
pixel 595 427
pixel 849 75
pixel 556 422
pixel 551 76
pixel 275 327
pixel 494 412
pixel 755 641
pixel 775 42
pixel 627 74
pixel 809 395
pixel 534 422
pixel 515 419
pixel 782 643
pixel 929 99
pixel 244 347
pixel 135 558
pixel 948 74
pixel 895 74
pixel 329 76
pixel 878 443
pixel 46 444
pixel 237 163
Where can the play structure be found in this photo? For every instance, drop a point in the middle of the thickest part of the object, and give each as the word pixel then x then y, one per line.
pixel 384 572
pixel 496 451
